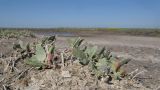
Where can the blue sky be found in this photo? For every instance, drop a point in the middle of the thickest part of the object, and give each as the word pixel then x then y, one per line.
pixel 80 13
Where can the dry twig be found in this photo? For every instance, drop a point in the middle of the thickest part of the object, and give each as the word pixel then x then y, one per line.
pixel 22 73
pixel 138 74
pixel 62 57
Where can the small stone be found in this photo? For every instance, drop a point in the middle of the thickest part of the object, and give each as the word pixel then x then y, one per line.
pixel 76 61
pixel 66 74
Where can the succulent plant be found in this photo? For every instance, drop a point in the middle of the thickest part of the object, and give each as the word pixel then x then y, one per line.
pixel 116 67
pixel 39 57
pixel 44 53
pixel 100 61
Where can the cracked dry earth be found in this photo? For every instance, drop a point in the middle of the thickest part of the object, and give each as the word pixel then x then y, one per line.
pixel 143 51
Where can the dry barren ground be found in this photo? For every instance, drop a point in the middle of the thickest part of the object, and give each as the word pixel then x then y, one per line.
pixel 144 52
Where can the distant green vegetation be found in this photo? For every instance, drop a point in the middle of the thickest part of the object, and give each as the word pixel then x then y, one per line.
pixel 122 31
pixel 128 29
pixel 15 33
pixel 112 29
pixel 131 31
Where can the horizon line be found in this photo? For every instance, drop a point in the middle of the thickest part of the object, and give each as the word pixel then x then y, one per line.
pixel 79 27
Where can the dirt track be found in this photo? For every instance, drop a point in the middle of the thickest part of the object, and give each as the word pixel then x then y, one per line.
pixel 148 48
pixel 135 41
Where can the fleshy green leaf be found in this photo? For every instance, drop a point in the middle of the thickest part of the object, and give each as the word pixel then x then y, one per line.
pixel 102 65
pixel 81 56
pixel 38 59
pixel 40 53
pixel 75 43
pixel 100 53
pixel 23 46
pixel 34 62
pixel 91 51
